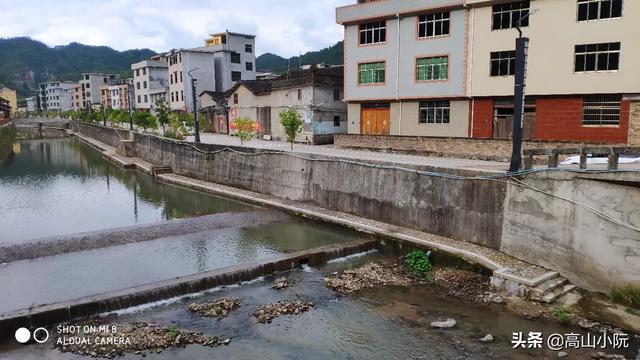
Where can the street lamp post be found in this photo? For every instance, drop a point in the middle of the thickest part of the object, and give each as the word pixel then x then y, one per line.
pixel 196 124
pixel 522 48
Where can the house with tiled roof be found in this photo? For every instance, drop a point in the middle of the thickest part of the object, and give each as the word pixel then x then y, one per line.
pixel 316 93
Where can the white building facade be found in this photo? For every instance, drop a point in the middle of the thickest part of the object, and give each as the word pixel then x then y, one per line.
pixel 150 81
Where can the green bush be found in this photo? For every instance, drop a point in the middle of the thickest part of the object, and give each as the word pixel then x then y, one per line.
pixel 245 129
pixel 628 295
pixel 173 134
pixel 291 123
pixel 561 314
pixel 419 264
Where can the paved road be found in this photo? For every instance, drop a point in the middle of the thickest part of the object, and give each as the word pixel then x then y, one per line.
pixel 442 162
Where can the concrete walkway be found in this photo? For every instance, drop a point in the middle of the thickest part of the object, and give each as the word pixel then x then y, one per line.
pixel 330 150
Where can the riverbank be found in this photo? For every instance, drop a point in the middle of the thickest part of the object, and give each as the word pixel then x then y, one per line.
pixel 381 322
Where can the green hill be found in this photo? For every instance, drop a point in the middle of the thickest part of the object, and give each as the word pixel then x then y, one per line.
pixel 331 56
pixel 24 63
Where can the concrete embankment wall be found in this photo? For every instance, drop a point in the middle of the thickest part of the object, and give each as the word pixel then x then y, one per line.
pixel 107 135
pixel 540 228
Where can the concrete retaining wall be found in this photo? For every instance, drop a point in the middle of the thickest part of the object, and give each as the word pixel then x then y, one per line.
pixel 592 252
pixel 544 230
pixel 107 135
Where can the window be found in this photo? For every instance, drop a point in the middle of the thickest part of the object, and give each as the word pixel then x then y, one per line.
pixel 336 121
pixel 171 76
pixel 249 66
pixel 235 58
pixel 235 99
pixel 236 76
pixel 336 94
pixel 601 110
pixel 88 85
pixel 432 68
pixel 299 94
pixel 371 73
pixel 506 16
pixel 434 112
pixel 146 99
pixel 503 63
pixel 139 99
pixel 181 95
pixel 180 76
pixel 248 48
pixel 431 25
pixel 138 85
pixel 597 57
pixel 373 33
pixel 599 9
pixel 137 72
pixel 172 99
pixel 144 71
pixel 145 84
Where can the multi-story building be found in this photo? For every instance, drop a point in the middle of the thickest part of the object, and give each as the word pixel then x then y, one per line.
pixel 446 68
pixel 32 104
pixel 77 98
pixel 56 95
pixel 235 58
pixel 11 96
pixel 151 82
pixel 315 93
pixel 225 59
pixel 90 87
pixel 115 96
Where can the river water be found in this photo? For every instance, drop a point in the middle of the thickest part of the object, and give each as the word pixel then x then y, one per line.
pixel 62 186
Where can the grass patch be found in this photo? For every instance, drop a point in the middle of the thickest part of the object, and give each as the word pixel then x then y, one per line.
pixel 632 311
pixel 419 264
pixel 628 295
pixel 561 315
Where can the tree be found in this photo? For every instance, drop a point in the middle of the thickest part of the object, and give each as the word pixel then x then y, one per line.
pixel 291 123
pixel 145 120
pixel 245 129
pixel 162 113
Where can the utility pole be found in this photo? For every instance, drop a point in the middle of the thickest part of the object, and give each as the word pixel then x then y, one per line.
pixel 196 124
pixel 522 49
pixel 104 117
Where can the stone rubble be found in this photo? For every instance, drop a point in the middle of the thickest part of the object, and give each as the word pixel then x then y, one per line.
pixel 266 313
pixel 216 309
pixel 136 337
pixel 281 283
pixel 368 276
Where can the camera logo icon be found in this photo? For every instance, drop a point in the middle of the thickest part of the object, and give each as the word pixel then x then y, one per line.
pixel 40 335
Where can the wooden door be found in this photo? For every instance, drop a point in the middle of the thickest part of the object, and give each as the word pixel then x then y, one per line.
pixel 264 119
pixel 376 121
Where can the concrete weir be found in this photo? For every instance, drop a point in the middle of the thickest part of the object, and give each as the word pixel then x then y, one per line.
pixel 112 237
pixel 46 315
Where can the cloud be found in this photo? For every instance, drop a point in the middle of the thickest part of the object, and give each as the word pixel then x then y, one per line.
pixel 283 27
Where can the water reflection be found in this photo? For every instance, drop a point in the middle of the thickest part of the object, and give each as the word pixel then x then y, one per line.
pixel 61 186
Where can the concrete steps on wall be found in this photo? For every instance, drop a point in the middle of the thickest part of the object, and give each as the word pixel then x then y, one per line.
pixel 157 170
pixel 552 289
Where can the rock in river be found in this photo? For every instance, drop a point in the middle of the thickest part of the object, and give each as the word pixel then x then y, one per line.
pixel 449 323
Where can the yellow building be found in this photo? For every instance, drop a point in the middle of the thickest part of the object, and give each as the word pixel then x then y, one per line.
pixel 11 96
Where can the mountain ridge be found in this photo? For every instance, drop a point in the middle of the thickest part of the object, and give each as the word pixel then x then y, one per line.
pixel 25 62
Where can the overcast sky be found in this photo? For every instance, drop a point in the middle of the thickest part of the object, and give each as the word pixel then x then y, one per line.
pixel 284 27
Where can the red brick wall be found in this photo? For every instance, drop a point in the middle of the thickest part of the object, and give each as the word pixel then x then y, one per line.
pixel 481 118
pixel 560 119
